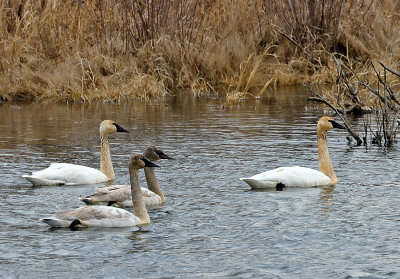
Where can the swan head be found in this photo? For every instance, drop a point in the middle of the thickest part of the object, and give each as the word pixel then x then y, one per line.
pixel 109 127
pixel 153 154
pixel 326 123
pixel 139 162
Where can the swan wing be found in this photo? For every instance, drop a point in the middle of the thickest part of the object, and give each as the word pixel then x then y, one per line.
pixel 117 195
pixel 289 177
pixel 93 216
pixel 111 188
pixel 66 174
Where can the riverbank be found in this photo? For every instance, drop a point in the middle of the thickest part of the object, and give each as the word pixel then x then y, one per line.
pixel 92 50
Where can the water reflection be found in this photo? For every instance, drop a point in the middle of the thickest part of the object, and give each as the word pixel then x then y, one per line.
pixel 326 200
pixel 139 243
pixel 327 193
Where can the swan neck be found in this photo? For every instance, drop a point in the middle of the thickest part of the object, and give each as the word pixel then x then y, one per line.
pixel 152 183
pixel 105 158
pixel 325 163
pixel 139 207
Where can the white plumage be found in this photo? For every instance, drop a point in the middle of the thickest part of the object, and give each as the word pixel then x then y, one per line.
pixel 289 177
pixel 66 174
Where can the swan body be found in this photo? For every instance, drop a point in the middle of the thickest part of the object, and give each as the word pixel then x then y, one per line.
pixel 72 174
pixel 289 177
pixel 300 176
pixel 120 195
pixel 106 216
pixel 93 216
pixel 66 174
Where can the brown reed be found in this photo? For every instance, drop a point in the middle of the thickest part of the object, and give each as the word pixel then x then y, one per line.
pixel 73 50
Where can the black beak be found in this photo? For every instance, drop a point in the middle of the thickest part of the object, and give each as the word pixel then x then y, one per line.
pixel 166 157
pixel 162 155
pixel 149 164
pixel 120 129
pixel 336 125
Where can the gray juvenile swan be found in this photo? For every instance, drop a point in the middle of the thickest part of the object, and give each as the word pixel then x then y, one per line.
pixel 71 174
pixel 121 194
pixel 108 216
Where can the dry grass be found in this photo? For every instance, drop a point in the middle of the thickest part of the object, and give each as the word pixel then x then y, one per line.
pixel 72 50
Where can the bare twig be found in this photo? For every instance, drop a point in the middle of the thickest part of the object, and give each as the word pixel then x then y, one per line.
pixel 385 86
pixel 389 69
pixel 373 91
pixel 352 90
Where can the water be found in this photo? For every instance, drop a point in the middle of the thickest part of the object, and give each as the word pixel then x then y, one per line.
pixel 212 226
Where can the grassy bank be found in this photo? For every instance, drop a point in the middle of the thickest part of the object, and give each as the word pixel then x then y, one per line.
pixel 72 50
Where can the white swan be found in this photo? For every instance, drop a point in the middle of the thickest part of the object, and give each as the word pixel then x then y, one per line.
pixel 121 194
pixel 108 216
pixel 300 176
pixel 71 174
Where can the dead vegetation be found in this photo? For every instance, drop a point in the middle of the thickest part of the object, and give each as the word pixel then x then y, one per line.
pixel 73 50
pixel 372 95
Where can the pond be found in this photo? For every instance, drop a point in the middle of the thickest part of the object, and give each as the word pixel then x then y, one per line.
pixel 212 225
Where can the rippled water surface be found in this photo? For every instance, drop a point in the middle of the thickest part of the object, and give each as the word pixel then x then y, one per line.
pixel 212 225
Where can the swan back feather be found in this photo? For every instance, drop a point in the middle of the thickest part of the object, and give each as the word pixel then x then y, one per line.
pixel 289 177
pixel 66 174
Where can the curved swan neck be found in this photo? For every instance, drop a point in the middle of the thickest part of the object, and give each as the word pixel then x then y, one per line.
pixel 105 158
pixel 139 206
pixel 152 183
pixel 325 163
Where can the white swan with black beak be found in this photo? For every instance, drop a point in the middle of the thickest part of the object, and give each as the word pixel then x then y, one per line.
pixel 300 176
pixel 72 174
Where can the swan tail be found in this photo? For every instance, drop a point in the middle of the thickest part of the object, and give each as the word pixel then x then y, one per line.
pixel 258 184
pixel 36 181
pixel 61 223
pixel 54 222
pixel 87 201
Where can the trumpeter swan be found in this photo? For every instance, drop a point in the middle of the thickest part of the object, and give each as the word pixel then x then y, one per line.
pixel 300 176
pixel 71 174
pixel 121 194
pixel 108 216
